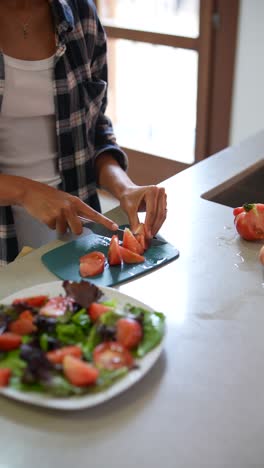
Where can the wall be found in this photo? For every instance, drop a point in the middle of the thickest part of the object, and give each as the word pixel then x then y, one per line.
pixel 248 98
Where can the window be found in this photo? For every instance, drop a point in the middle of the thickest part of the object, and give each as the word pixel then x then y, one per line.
pixel 163 73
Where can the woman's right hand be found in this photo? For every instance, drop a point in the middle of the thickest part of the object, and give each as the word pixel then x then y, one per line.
pixel 57 209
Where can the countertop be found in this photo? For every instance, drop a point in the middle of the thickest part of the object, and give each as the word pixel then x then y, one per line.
pixel 202 404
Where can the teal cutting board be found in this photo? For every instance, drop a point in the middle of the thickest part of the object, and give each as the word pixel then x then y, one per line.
pixel 64 261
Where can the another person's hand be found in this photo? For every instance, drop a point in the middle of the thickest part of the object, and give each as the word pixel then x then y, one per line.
pixel 57 209
pixel 149 198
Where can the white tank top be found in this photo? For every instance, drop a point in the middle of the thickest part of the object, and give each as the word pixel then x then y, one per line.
pixel 28 136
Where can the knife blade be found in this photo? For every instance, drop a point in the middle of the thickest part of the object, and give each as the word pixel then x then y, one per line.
pixel 104 231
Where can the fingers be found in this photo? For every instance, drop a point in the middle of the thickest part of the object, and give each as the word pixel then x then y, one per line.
pixel 161 212
pixel 133 220
pixel 61 225
pixel 151 200
pixel 88 212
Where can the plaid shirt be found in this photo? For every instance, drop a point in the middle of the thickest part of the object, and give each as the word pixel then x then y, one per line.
pixel 80 95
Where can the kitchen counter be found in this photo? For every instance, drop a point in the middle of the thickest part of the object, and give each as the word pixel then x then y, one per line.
pixel 202 403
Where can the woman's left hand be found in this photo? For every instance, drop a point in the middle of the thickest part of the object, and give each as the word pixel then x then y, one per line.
pixel 149 198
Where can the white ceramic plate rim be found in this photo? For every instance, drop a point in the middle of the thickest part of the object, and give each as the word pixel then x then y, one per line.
pixel 83 401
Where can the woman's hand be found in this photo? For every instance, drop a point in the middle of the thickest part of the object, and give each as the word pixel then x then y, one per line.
pixel 133 198
pixel 149 198
pixel 57 209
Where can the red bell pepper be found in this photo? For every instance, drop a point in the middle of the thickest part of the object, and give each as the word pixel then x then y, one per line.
pixel 249 221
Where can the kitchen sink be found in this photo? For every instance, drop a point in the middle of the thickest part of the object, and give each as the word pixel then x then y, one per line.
pixel 245 187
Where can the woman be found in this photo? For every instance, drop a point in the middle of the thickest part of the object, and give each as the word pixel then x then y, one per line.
pixel 56 144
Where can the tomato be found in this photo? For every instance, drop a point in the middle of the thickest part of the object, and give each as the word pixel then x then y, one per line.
pixel 26 315
pixel 140 235
pixel 112 355
pixel 114 256
pixel 9 341
pixel 36 301
pixel 94 254
pixel 261 255
pixel 92 264
pixel 130 257
pixel 238 210
pixel 78 372
pixel 57 306
pixel 57 356
pixel 128 332
pixel 250 221
pixel 131 243
pixel 22 327
pixel 96 310
pixel 5 375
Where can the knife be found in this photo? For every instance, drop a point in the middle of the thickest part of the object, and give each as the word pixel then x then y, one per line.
pixel 104 231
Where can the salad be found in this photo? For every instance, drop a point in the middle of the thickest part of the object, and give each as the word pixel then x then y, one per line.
pixel 73 344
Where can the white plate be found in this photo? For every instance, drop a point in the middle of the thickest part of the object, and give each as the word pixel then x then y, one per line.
pixel 84 401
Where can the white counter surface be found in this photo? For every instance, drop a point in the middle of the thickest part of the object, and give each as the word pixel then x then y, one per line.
pixel 202 405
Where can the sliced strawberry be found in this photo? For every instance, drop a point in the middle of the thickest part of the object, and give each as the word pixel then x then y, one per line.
pixel 92 264
pixel 131 243
pixel 96 310
pixel 36 301
pixel 57 356
pixel 130 257
pixel 79 372
pixel 114 256
pixel 112 355
pixel 9 341
pixel 129 332
pixel 57 306
pixel 22 327
pixel 5 375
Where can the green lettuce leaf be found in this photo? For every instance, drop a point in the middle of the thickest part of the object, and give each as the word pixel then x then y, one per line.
pixel 69 333
pixel 12 360
pixel 90 343
pixel 82 319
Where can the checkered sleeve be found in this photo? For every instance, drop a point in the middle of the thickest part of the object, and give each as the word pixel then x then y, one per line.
pixel 105 140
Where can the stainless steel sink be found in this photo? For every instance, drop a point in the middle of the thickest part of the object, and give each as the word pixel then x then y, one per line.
pixel 245 187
